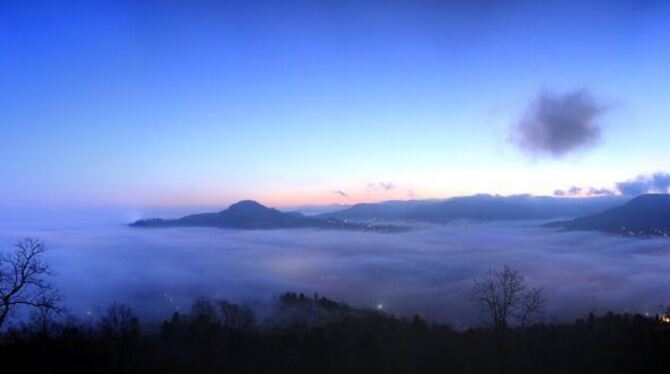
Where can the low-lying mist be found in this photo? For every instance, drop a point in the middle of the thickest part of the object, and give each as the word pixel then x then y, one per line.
pixel 428 271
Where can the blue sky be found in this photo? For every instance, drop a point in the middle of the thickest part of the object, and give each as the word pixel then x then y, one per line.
pixel 204 103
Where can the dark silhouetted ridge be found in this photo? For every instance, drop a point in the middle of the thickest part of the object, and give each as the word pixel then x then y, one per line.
pixel 645 215
pixel 250 215
pixel 479 208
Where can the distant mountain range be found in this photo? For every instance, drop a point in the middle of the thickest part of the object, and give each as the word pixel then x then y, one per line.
pixel 393 210
pixel 250 215
pixel 645 215
pixel 478 208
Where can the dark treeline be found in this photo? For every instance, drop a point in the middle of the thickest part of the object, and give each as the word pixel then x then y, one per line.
pixel 312 334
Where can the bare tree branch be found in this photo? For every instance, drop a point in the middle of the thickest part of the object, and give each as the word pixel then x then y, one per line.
pixel 503 298
pixel 23 279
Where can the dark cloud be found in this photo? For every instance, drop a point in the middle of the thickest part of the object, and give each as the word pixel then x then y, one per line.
pixel 584 191
pixel 340 193
pixel 557 124
pixel 654 183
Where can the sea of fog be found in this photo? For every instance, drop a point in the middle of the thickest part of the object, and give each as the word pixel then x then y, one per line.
pixel 428 271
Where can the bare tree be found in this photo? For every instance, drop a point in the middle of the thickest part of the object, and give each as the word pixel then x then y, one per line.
pixel 531 305
pixel 119 322
pixel 235 317
pixel 23 279
pixel 504 299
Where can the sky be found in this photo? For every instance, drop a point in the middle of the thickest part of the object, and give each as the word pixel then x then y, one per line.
pixel 169 103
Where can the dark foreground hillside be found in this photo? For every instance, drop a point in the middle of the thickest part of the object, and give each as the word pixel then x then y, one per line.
pixel 316 335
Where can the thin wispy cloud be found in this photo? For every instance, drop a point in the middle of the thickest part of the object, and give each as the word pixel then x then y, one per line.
pixel 584 191
pixel 555 125
pixel 340 193
pixel 381 186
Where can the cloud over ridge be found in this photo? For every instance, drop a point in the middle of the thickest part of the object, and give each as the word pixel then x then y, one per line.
pixel 654 183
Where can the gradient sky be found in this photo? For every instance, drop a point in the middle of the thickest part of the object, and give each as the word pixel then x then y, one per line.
pixel 207 102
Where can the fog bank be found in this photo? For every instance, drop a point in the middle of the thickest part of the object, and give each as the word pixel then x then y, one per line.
pixel 428 271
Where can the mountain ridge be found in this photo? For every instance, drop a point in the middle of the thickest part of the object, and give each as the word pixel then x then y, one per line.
pixel 251 215
pixel 481 207
pixel 644 215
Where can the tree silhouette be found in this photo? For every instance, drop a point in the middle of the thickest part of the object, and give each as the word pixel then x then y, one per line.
pixel 119 322
pixel 504 298
pixel 23 279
